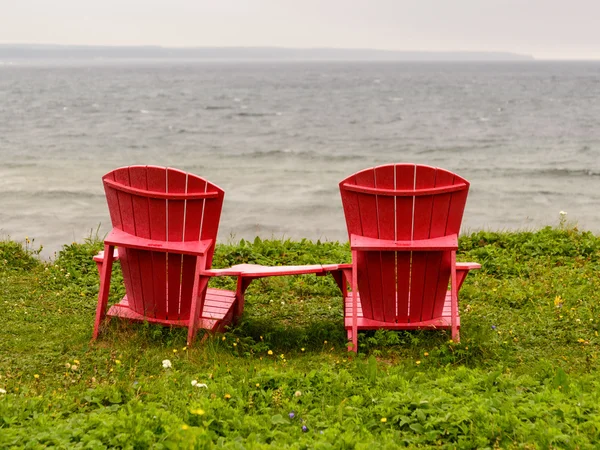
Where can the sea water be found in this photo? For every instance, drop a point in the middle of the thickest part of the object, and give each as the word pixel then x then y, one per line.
pixel 278 137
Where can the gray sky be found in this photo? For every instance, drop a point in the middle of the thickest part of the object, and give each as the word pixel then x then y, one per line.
pixel 568 29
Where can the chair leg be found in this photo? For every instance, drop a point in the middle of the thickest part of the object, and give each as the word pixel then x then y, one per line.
pixel 105 274
pixel 354 303
pixel 454 300
pixel 242 285
pixel 199 289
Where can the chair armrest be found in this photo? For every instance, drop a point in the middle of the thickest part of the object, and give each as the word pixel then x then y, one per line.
pixel 122 239
pixel 259 271
pixel 362 243
pixel 100 256
pixel 467 266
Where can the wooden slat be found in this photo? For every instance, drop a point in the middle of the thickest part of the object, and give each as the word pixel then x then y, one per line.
pixel 424 178
pixel 129 260
pixel 353 219
pixel 193 219
pixel 157 210
pixel 364 323
pixel 120 238
pixel 438 265
pixel 147 193
pixel 369 273
pixel 210 218
pixel 404 192
pixel 405 179
pixel 386 214
pixel 176 184
pixel 444 243
pixel 216 317
pixel 138 179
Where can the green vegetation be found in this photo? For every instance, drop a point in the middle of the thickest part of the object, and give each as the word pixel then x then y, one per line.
pixel 525 374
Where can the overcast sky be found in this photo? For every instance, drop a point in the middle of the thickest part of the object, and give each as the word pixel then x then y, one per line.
pixel 567 29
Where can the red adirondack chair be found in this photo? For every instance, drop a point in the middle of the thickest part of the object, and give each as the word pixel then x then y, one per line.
pixel 165 225
pixel 403 222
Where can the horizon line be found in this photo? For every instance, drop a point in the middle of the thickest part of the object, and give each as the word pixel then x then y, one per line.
pixel 517 55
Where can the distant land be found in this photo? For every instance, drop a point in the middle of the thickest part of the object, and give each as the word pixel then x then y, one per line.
pixel 76 52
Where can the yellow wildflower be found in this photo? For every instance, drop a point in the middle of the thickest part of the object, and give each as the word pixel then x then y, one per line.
pixel 198 412
pixel 36 376
pixel 383 419
pixel 184 426
pixel 270 352
pixel 227 396
pixel 425 354
pixel 418 362
pixel 558 301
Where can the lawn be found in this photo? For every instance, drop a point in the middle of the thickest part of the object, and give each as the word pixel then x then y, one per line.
pixel 525 374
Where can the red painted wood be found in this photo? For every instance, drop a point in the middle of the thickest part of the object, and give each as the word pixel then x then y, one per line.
pixel 118 237
pixel 442 322
pixel 222 303
pixel 145 193
pixel 386 214
pixel 211 218
pixel 436 275
pixel 425 178
pixel 403 192
pixel 176 184
pixel 194 209
pixel 454 299
pixel 426 245
pixel 199 285
pixel 369 274
pixel 105 274
pixel 156 178
pixel 138 180
pixel 405 179
pixel 129 259
pixel 161 237
pixel 259 271
pixel 403 221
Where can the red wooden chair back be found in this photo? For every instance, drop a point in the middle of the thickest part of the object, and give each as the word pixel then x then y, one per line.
pixel 165 205
pixel 403 202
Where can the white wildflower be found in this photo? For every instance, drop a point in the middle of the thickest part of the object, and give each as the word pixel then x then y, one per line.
pixel 297 394
pixel 2 391
pixel 563 213
pixel 166 364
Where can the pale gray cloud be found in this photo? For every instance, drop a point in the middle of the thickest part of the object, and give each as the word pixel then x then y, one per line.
pixel 545 28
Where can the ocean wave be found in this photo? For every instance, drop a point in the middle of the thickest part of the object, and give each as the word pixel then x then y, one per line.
pixel 252 114
pixel 549 173
pixel 215 107
pixel 307 154
pixel 53 194
pixel 559 172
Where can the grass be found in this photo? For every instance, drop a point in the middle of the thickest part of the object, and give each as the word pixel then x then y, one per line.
pixel 525 374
